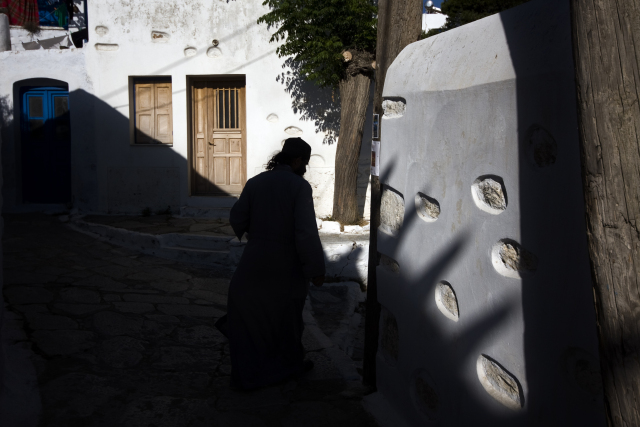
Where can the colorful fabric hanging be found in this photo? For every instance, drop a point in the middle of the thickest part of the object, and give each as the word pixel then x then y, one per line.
pixel 62 15
pixel 23 12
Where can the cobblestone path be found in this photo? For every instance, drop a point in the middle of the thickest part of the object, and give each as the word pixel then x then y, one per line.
pixel 122 339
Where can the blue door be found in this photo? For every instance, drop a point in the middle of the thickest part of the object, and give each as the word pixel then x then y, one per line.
pixel 45 145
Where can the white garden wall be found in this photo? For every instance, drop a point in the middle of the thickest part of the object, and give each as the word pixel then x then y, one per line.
pixel 484 278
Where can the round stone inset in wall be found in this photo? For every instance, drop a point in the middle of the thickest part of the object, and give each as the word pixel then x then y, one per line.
pixel 511 260
pixel 424 395
pixel 160 37
pixel 272 118
pixel 214 52
pixel 489 194
pixel 499 383
pixel 446 301
pixel 582 370
pixel 541 146
pixel 394 107
pixel 101 30
pixel 427 207
pixel 391 211
pixel 190 51
pixel 293 131
pixel 390 342
pixel 389 264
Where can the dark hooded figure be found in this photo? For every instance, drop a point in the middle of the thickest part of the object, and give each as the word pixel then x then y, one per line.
pixel 270 285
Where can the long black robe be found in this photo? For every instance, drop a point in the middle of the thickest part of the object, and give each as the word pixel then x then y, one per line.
pixel 269 287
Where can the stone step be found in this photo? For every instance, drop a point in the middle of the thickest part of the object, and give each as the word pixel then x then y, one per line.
pixel 204 212
pixel 195 241
pixel 197 256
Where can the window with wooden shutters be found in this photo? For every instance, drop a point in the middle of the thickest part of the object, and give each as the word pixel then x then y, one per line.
pixel 152 112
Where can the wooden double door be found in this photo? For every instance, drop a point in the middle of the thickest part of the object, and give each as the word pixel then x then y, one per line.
pixel 219 141
pixel 45 145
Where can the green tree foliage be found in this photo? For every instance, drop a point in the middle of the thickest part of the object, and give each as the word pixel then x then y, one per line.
pixel 316 32
pixel 462 12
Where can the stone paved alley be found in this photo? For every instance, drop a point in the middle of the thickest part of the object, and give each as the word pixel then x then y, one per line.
pixel 118 338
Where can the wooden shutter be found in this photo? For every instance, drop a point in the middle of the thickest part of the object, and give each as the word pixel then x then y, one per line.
pixel 154 117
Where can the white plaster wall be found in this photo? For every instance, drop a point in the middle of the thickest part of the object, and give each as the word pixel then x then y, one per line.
pixel 103 159
pixel 67 66
pixel 471 95
pixel 245 51
pixel 19 35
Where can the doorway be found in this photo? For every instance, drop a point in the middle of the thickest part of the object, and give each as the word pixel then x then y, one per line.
pixel 45 136
pixel 218 137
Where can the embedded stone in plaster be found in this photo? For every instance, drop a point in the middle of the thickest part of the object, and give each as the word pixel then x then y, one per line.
pixel 489 194
pixel 425 396
pixel 511 260
pixel 293 131
pixel 446 301
pixel 499 383
pixel 190 51
pixel 316 161
pixel 387 263
pixel 272 118
pixel 394 108
pixel 541 146
pixel 107 47
pixel 391 211
pixel 427 207
pixel 160 37
pixel 101 30
pixel 390 337
pixel 583 370
pixel 214 52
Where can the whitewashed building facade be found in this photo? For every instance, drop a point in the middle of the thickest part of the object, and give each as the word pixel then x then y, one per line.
pixel 170 105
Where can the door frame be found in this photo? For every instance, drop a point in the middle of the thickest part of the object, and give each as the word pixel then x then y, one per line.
pixel 217 78
pixel 49 92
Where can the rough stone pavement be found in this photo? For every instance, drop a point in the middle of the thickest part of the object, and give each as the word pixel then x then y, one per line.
pixel 118 338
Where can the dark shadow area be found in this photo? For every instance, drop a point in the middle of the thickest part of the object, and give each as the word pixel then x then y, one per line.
pixel 453 351
pixel 562 391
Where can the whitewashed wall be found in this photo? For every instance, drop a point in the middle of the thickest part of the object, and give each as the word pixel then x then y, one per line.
pixel 121 45
pixel 244 49
pixel 488 315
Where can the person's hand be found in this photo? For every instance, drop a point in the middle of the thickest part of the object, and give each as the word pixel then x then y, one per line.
pixel 317 281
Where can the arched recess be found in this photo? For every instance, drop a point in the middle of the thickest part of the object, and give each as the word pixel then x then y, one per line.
pixel 42 141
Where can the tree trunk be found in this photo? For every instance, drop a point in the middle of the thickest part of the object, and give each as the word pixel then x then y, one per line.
pixel 354 100
pixel 606 39
pixel 399 24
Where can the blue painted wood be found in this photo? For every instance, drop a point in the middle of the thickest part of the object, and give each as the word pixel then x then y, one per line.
pixel 45 145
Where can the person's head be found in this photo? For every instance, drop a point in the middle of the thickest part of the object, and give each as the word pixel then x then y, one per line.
pixel 295 153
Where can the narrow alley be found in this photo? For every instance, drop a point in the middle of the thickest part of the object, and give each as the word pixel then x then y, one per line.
pixel 118 338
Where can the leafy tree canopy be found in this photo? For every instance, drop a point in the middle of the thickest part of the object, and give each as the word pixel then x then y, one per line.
pixel 461 12
pixel 316 32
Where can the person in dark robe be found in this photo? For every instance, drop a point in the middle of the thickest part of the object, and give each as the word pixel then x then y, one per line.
pixel 269 287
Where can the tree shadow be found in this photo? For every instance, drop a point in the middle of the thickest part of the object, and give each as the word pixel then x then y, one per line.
pixel 321 106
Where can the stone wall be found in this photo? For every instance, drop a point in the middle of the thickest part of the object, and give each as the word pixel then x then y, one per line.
pixel 484 276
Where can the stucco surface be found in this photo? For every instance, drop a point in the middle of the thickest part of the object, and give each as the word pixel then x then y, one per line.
pixel 177 39
pixel 472 96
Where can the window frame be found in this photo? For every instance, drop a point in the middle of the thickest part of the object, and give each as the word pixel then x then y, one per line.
pixel 133 81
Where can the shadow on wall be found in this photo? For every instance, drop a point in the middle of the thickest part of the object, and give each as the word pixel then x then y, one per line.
pixel 321 106
pixel 454 351
pixel 549 157
pixel 154 184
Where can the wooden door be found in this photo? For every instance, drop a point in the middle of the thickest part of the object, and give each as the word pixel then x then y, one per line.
pixel 219 138
pixel 45 145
